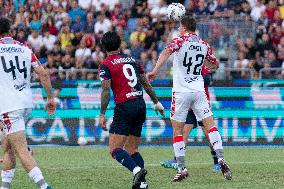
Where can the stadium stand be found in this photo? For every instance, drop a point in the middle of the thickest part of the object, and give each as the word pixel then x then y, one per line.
pixel 248 36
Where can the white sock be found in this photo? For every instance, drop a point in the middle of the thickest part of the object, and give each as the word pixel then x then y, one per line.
pixel 136 170
pixel 179 149
pixel 36 175
pixel 215 138
pixel 7 177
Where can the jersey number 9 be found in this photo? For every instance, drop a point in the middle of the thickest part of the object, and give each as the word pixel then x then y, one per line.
pixel 130 74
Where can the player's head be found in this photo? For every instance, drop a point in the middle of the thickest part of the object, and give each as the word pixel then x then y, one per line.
pixel 187 24
pixel 111 41
pixel 5 26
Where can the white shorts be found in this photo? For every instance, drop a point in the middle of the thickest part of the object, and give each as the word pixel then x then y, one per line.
pixel 14 121
pixel 182 102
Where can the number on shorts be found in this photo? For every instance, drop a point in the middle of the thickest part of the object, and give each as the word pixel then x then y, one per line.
pixel 197 64
pixel 130 74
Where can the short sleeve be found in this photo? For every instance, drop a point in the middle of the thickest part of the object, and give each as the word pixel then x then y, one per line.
pixel 175 44
pixel 104 72
pixel 210 56
pixel 35 62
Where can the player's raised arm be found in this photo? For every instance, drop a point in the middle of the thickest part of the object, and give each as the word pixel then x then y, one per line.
pixel 45 81
pixel 149 90
pixel 166 53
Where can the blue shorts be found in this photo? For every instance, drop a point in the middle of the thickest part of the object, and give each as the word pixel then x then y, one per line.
pixel 129 118
pixel 191 119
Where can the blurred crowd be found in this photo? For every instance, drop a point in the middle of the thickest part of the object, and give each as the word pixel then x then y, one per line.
pixel 65 34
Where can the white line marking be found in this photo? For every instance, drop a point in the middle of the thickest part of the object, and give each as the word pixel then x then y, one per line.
pixel 152 165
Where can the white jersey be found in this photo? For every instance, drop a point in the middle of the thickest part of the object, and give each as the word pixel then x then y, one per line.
pixel 16 61
pixel 190 51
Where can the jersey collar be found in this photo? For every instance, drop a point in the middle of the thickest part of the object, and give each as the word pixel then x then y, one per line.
pixel 4 37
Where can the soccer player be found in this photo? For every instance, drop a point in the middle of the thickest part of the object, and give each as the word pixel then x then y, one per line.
pixel 126 78
pixel 17 60
pixel 191 123
pixel 190 53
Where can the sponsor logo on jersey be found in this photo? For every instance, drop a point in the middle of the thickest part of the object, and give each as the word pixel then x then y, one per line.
pixel 123 60
pixel 11 50
pixel 191 79
pixel 136 93
pixel 206 111
pixel 20 87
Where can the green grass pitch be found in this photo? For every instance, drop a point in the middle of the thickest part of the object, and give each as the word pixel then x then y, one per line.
pixel 93 168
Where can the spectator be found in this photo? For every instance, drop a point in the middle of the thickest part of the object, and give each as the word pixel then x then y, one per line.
pixel 48 40
pixel 35 24
pixel 241 62
pixel 257 10
pixel 83 52
pixel 103 24
pixel 65 37
pixel 124 48
pixel 265 45
pixel 272 60
pixel 78 26
pixel 136 49
pixel 159 11
pixel 85 4
pixel 51 26
pixel 138 35
pixel 35 40
pixel 271 10
pixel 90 23
pixel 76 11
pixel 202 8
pixel 223 9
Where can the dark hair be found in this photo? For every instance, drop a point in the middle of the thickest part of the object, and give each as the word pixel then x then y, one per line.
pixel 110 41
pixel 189 23
pixel 5 25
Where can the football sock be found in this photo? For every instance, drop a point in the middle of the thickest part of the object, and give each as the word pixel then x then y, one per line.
pixel 7 177
pixel 138 159
pixel 179 149
pixel 214 156
pixel 216 141
pixel 36 175
pixel 123 157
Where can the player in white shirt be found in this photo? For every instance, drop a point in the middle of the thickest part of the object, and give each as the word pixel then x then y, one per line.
pixel 190 53
pixel 16 63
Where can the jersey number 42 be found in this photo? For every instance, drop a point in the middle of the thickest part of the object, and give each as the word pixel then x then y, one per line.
pixel 193 66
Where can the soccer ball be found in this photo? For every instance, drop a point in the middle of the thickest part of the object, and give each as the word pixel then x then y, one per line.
pixel 82 141
pixel 175 11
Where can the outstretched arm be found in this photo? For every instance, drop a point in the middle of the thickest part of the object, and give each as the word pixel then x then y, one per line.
pixel 166 53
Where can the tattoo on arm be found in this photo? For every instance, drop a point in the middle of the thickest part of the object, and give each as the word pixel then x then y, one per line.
pixel 148 88
pixel 105 95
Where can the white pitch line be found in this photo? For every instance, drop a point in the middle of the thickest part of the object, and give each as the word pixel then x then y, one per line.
pixel 153 165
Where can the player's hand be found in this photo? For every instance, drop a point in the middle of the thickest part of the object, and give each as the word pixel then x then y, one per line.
pixel 103 122
pixel 152 75
pixel 159 108
pixel 50 106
